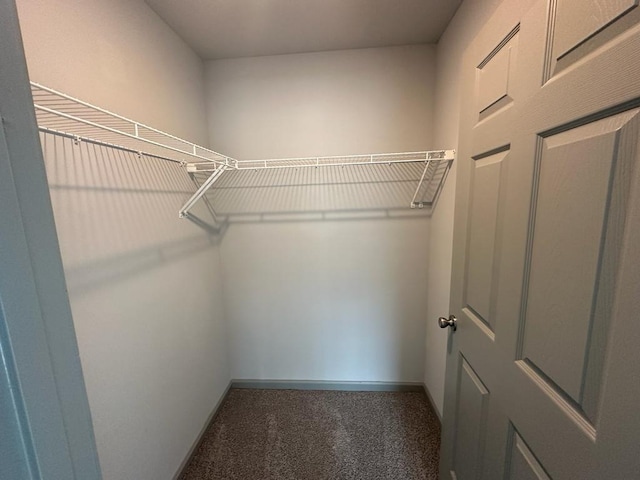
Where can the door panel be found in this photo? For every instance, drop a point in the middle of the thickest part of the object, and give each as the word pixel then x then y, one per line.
pixel 485 187
pixel 494 76
pixel 473 404
pixel 571 210
pixel 523 464
pixel 578 27
pixel 471 379
pixel 495 92
pixel 547 247
pixel 579 20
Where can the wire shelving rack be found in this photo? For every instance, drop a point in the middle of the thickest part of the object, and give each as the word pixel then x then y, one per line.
pixel 61 114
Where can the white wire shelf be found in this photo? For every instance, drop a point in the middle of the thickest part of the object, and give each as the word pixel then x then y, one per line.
pixel 436 166
pixel 378 190
pixel 66 116
pixel 342 161
pixel 333 161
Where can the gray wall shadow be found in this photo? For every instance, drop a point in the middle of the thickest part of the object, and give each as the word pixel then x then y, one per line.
pixel 116 213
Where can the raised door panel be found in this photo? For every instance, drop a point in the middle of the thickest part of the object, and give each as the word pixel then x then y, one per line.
pixel 493 96
pixel 523 464
pixel 471 419
pixel 578 27
pixel 482 233
pixel 495 93
pixel 578 212
pixel 494 76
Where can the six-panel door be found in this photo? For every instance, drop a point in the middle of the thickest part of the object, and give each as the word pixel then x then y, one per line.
pixel 542 374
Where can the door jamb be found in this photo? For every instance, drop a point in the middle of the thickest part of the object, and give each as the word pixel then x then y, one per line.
pixel 39 357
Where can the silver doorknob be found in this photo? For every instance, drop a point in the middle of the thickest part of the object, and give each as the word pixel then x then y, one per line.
pixel 445 322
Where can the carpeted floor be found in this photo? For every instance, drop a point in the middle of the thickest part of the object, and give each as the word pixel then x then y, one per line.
pixel 319 435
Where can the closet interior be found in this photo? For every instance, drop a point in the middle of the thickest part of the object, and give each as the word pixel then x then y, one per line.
pixel 251 221
pixel 239 236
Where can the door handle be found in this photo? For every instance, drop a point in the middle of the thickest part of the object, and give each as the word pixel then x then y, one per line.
pixel 445 322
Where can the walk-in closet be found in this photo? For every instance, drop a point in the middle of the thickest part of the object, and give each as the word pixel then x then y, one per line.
pixel 300 240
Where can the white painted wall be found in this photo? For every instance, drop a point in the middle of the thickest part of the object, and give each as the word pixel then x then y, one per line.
pixel 118 55
pixel 327 299
pixel 329 103
pixel 145 287
pixel 468 20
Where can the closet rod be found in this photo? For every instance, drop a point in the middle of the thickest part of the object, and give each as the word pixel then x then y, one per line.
pixel 78 138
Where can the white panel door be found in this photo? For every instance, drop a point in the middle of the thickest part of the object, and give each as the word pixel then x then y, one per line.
pixel 543 371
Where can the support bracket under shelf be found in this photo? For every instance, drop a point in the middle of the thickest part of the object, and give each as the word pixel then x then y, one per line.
pixel 433 178
pixel 184 211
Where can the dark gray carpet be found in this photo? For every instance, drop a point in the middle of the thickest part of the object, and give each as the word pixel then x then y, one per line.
pixel 319 435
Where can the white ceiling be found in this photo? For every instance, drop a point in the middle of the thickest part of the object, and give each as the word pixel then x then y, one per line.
pixel 244 28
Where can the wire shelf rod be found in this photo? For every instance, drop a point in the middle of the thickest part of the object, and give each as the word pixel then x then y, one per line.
pixel 196 167
pixel 227 161
pixel 417 153
pixel 330 161
pixel 40 103
pixel 106 144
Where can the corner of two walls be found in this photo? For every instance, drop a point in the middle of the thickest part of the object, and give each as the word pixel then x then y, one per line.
pixel 145 287
pixel 319 298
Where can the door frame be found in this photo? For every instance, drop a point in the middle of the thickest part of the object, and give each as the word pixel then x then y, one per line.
pixel 46 410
